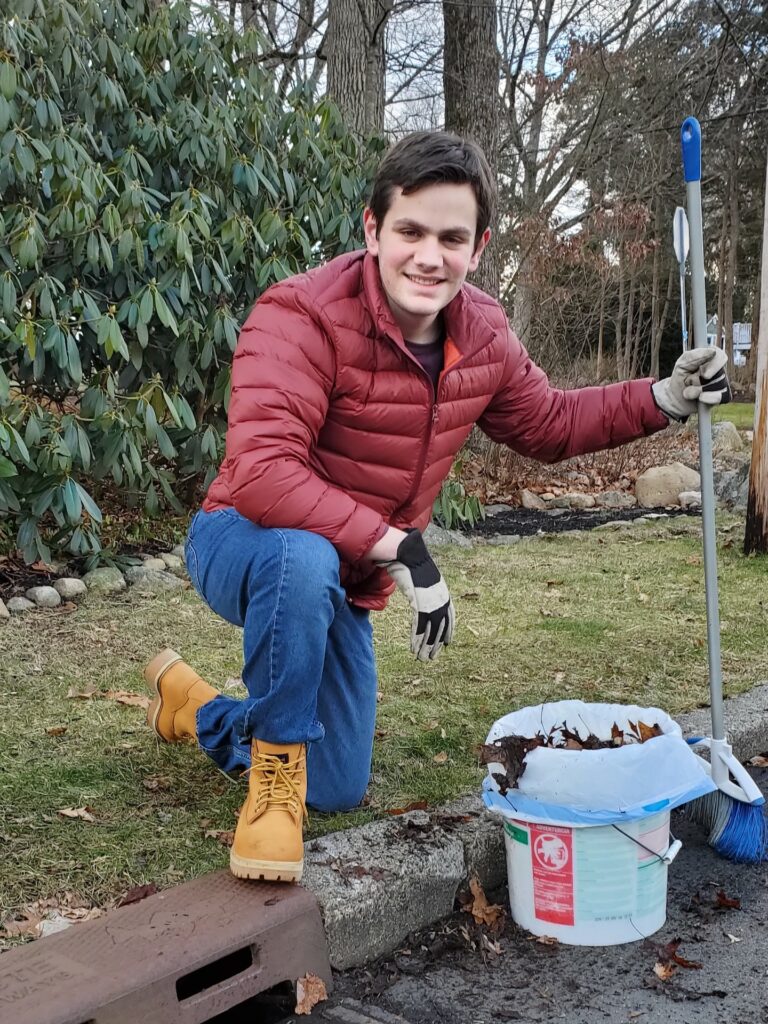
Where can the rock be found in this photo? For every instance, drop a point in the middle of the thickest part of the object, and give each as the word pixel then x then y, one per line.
pixel 530 500
pixel 615 499
pixel 616 524
pixel 725 438
pixel 105 580
pixel 493 510
pixel 70 589
pixel 574 500
pixel 502 540
pixel 437 536
pixel 19 605
pixel 547 496
pixel 4 613
pixel 661 485
pixel 178 550
pixel 154 563
pixel 173 564
pixel 44 597
pixel 690 499
pixel 152 581
pixel 732 485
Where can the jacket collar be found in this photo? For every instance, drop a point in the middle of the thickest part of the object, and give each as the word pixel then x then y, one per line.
pixel 464 322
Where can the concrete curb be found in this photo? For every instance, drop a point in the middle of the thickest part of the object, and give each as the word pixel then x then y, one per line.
pixel 378 883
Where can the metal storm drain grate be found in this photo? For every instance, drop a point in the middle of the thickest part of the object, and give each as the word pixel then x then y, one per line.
pixel 192 954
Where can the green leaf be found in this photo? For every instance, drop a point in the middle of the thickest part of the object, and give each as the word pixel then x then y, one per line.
pixel 171 408
pixel 89 504
pixel 7 468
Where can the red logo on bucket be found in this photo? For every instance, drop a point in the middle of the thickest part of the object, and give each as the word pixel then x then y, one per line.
pixel 552 863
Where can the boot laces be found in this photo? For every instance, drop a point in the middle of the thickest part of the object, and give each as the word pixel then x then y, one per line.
pixel 279 784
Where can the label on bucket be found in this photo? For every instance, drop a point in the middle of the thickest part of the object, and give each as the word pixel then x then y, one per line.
pixel 516 833
pixel 552 862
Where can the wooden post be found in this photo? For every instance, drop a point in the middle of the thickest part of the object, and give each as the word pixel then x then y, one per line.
pixel 756 533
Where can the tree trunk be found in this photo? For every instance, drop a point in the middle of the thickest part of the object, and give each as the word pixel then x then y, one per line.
pixel 620 319
pixel 656 348
pixel 354 49
pixel 470 83
pixel 756 533
pixel 600 337
pixel 721 274
pixel 733 245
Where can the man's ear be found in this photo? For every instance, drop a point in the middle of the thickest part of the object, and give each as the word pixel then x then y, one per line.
pixel 371 226
pixel 475 258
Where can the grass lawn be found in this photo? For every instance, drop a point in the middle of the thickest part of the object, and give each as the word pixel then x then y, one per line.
pixel 741 414
pixel 616 616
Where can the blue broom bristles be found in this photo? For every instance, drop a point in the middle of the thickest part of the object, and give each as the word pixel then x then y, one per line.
pixel 737 831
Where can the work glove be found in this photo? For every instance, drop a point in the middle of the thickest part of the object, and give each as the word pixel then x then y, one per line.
pixel 698 376
pixel 420 580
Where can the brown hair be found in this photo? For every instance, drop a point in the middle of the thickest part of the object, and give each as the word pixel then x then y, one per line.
pixel 434 158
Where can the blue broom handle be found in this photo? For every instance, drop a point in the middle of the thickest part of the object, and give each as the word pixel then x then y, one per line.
pixel 690 139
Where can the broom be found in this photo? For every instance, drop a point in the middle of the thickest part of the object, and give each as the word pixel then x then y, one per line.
pixel 735 813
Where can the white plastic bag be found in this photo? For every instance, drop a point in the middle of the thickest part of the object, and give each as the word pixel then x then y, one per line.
pixel 596 786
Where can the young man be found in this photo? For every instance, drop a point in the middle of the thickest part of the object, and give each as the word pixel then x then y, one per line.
pixel 353 387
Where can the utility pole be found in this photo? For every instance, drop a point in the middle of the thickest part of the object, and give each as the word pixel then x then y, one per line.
pixel 756 533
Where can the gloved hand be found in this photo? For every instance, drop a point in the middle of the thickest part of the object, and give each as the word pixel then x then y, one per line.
pixel 420 580
pixel 698 376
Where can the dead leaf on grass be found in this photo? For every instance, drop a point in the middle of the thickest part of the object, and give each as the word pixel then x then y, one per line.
pixel 482 911
pixel 310 990
pixel 233 683
pixel 155 782
pixel 84 813
pixel 81 692
pixel 134 700
pixel 440 758
pixel 137 893
pixel 759 761
pixel 27 926
pixel 225 836
pixel 417 805
pixel 56 730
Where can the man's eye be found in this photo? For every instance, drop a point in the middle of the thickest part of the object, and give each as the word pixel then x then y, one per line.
pixel 409 233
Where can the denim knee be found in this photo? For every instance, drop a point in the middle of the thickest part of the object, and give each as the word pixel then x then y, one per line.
pixel 344 796
pixel 319 567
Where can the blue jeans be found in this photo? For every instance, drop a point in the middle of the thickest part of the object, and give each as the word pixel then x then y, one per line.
pixel 308 666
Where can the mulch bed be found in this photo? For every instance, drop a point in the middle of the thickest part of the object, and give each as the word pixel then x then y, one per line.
pixel 526 522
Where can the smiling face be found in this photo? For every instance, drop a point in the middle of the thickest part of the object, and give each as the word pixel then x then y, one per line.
pixel 425 246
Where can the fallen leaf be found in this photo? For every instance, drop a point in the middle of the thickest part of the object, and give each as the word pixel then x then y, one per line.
pixel 545 940
pixel 28 925
pixel 155 782
pixel 233 684
pixel 137 893
pixel 759 761
pixel 727 902
pixel 56 730
pixel 81 693
pixel 440 758
pixel 85 813
pixel 733 938
pixel 481 910
pixel 471 629
pixel 134 700
pixel 68 606
pixel 310 990
pixel 647 732
pixel 471 595
pixel 225 836
pixel 417 805
pixel 664 971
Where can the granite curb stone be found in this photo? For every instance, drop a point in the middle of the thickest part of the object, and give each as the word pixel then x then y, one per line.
pixel 377 883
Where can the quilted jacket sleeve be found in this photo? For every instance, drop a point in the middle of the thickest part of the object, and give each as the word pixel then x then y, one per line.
pixel 282 376
pixel 550 424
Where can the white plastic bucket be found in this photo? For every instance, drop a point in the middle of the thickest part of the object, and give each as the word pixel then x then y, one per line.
pixel 589 885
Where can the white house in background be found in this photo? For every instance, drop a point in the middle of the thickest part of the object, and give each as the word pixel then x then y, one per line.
pixel 742 339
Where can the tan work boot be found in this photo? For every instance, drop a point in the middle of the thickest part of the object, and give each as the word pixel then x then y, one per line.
pixel 180 692
pixel 268 840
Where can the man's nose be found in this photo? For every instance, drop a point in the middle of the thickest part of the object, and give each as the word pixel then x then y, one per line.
pixel 428 253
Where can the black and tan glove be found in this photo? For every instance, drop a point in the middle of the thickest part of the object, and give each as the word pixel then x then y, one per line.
pixel 698 376
pixel 420 580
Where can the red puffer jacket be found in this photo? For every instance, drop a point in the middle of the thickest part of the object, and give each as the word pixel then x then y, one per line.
pixel 334 427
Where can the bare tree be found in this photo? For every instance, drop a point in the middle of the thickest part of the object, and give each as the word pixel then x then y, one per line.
pixel 756 534
pixel 471 77
pixel 354 51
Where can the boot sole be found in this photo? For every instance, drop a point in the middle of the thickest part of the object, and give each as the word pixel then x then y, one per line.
pixel 266 870
pixel 153 673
